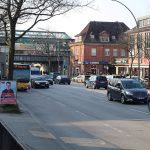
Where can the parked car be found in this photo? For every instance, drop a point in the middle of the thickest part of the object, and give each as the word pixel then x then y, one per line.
pixel 80 78
pixel 48 78
pixel 62 79
pixel 54 75
pixel 96 82
pixel 148 103
pixel 141 80
pixel 126 90
pixel 39 82
pixel 114 76
pixel 75 79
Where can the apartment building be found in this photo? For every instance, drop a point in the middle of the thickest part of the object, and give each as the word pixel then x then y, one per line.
pixel 139 45
pixel 100 48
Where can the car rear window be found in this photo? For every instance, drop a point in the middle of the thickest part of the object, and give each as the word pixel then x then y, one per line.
pixel 102 78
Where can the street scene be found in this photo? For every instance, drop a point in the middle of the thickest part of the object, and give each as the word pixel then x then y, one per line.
pixel 74 75
pixel 66 117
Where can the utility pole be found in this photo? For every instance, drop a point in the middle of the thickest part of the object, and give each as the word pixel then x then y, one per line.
pixel 58 57
pixel 138 36
pixel 49 56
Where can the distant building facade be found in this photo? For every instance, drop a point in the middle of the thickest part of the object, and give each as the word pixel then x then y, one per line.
pixel 142 44
pixel 99 49
pixel 47 50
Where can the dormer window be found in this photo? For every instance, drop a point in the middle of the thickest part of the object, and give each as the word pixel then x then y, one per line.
pixel 104 39
pixel 92 35
pixel 113 37
pixel 104 36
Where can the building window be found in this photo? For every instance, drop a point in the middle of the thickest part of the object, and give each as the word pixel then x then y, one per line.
pixel 147 40
pixel 78 39
pixel 145 22
pixel 92 35
pixel 93 52
pixel 104 36
pixel 123 52
pixel 107 52
pixel 115 52
pixel 104 39
pixel 131 53
pixel 113 37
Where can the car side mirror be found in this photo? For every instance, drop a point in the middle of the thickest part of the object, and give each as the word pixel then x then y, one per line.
pixel 119 86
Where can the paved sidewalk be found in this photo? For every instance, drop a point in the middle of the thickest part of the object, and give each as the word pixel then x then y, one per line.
pixel 29 132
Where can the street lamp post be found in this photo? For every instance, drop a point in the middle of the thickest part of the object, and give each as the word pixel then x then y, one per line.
pixel 138 35
pixel 49 57
pixel 58 57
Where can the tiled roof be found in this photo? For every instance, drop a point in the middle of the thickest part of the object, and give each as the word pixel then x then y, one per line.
pixel 95 28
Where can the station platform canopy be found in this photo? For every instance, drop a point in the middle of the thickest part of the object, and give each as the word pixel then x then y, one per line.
pixel 33 36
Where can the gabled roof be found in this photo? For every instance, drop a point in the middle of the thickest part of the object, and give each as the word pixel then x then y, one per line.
pixel 94 27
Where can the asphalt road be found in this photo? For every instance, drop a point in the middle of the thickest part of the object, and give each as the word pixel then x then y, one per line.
pixel 83 119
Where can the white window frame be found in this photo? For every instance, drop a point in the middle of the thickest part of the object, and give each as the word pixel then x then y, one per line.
pixel 107 52
pixel 115 52
pixel 123 52
pixel 104 39
pixel 92 36
pixel 113 37
pixel 93 52
pixel 132 51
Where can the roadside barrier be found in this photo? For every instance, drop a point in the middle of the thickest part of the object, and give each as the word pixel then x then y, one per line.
pixel 8 141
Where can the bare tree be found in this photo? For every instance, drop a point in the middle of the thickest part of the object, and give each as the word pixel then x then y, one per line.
pixel 129 44
pixel 13 12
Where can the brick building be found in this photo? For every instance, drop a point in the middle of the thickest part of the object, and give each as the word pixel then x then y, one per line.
pixel 144 46
pixel 100 48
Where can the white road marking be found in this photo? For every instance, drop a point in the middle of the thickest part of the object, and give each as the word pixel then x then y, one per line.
pixel 61 104
pixel 143 112
pixel 83 114
pixel 42 134
pixel 116 129
pixel 88 142
pixel 111 127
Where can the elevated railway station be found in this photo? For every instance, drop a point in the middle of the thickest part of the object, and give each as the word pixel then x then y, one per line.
pixel 48 50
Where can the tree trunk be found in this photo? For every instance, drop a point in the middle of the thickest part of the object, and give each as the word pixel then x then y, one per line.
pixel 11 54
pixel 131 68
pixel 149 75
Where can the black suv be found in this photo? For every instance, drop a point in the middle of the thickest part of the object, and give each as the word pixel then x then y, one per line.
pixel 96 82
pixel 126 90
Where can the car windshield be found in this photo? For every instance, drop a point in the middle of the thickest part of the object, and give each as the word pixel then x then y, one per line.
pixel 39 79
pixel 131 84
pixel 64 76
pixel 47 76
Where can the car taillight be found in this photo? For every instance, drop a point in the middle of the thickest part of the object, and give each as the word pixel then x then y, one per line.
pixel 96 81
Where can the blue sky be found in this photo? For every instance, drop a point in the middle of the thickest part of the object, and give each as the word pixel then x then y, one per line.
pixel 103 10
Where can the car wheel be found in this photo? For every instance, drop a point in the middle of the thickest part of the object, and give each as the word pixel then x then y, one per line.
pixel 34 86
pixel 148 103
pixel 123 101
pixel 94 87
pixel 109 97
